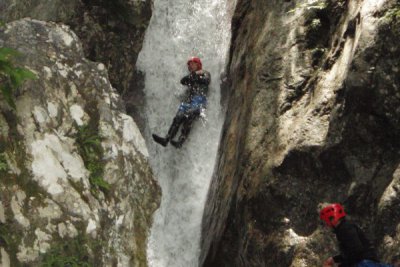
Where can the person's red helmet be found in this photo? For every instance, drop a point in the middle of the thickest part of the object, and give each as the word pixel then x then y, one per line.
pixel 331 214
pixel 196 60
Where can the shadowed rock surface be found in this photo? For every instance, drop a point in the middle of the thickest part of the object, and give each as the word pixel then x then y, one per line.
pixel 313 117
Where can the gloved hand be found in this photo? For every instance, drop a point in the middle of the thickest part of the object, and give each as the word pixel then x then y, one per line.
pixel 329 262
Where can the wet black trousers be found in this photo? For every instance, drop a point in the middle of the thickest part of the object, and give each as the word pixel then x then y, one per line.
pixel 184 119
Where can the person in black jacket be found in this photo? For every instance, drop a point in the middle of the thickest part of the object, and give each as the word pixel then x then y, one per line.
pixel 356 250
pixel 190 109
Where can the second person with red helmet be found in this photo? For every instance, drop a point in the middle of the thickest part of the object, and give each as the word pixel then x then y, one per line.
pixel 356 250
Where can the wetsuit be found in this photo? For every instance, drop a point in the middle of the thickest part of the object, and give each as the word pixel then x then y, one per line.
pixel 356 250
pixel 190 109
pixel 194 102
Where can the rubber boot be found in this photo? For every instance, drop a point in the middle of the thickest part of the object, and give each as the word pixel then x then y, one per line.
pixel 171 132
pixel 179 143
pixel 161 140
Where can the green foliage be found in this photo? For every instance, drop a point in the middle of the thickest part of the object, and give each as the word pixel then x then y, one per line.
pixel 393 13
pixel 3 163
pixel 71 253
pixel 4 236
pixel 313 5
pixel 91 151
pixel 10 238
pixel 11 77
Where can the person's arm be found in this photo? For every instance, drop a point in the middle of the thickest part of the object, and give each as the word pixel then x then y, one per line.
pixel 338 258
pixel 351 245
pixel 201 77
pixel 187 80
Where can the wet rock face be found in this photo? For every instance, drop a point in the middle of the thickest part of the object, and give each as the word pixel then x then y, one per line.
pixel 75 180
pixel 111 32
pixel 312 118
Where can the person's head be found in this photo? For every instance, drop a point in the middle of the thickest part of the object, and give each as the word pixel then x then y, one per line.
pixel 332 214
pixel 194 64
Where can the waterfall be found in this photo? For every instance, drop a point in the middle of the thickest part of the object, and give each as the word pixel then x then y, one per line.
pixel 179 29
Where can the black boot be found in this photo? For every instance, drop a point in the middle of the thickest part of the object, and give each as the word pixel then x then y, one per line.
pixel 162 141
pixel 171 132
pixel 179 143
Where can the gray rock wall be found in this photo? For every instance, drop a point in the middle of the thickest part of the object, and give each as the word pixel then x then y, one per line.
pixel 77 186
pixel 312 118
pixel 111 32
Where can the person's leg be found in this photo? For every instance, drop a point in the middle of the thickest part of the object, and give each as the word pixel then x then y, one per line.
pixel 186 127
pixel 176 122
pixel 173 129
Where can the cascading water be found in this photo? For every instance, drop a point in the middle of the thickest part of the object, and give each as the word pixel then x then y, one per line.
pixel 180 29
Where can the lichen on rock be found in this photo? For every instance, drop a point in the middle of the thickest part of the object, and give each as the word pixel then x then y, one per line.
pixel 312 118
pixel 50 193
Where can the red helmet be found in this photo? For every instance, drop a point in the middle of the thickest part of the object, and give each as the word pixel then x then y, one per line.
pixel 196 60
pixel 331 214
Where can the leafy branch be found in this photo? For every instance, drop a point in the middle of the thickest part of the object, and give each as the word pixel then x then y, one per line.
pixel 11 77
pixel 393 13
pixel 3 163
pixel 91 151
pixel 71 253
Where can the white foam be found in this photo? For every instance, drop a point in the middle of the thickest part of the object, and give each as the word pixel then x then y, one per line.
pixel 180 29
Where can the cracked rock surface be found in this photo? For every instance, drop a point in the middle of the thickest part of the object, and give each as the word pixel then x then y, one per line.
pixel 78 183
pixel 312 118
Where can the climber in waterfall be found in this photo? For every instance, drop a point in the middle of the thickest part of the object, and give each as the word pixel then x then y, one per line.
pixel 195 101
pixel 356 250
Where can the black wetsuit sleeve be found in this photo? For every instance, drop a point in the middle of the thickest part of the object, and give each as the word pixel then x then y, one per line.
pixel 187 80
pixel 193 78
pixel 351 242
pixel 338 258
pixel 353 245
pixel 204 78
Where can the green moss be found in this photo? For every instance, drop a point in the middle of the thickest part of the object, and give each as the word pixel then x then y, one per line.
pixel 89 145
pixel 11 235
pixel 69 252
pixel 5 238
pixel 13 152
pixel 393 14
pixel 3 163
pixel 11 77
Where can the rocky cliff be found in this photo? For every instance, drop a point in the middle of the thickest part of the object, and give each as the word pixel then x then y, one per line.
pixel 313 117
pixel 75 187
pixel 111 32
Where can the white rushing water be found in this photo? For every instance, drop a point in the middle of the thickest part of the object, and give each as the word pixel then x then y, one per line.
pixel 180 29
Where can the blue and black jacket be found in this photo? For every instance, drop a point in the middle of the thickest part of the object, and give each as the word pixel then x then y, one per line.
pixel 197 85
